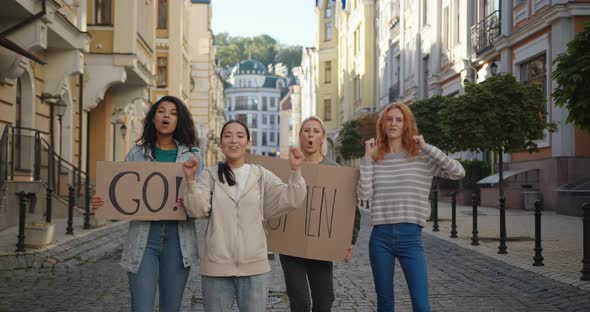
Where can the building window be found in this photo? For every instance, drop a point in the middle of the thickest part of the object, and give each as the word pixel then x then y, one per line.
pixel 272 137
pixel 327 110
pixel 357 88
pixel 264 103
pixel 272 120
pixel 162 72
pixel 357 41
pixel 254 137
pixel 425 12
pixel 264 119
pixel 102 12
pixel 246 103
pixel 329 9
pixel 534 72
pixel 253 121
pixel 328 72
pixel 162 14
pixel 457 22
pixel 328 34
pixel 273 103
pixel 243 118
pixel 264 143
pixel 446 35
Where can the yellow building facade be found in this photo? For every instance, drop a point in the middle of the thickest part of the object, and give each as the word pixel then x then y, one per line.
pixel 206 101
pixel 42 58
pixel 121 68
pixel 356 57
pixel 328 103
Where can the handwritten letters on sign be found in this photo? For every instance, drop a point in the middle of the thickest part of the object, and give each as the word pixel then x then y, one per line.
pixel 322 229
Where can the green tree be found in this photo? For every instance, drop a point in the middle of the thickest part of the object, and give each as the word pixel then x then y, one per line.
pixel 264 48
pixel 427 113
pixel 367 127
pixel 573 78
pixel 499 115
pixel 290 56
pixel 349 140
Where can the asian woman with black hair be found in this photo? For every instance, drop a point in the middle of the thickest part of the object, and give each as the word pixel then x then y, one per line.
pixel 237 198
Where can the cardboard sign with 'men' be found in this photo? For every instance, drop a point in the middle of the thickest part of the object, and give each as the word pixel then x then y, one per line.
pixel 322 229
pixel 139 190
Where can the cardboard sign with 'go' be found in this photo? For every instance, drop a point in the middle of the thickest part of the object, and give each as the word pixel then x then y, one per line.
pixel 139 190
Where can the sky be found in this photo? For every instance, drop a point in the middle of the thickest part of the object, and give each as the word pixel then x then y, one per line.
pixel 290 22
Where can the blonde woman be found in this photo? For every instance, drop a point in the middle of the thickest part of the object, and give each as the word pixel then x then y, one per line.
pixel 303 275
pixel 396 175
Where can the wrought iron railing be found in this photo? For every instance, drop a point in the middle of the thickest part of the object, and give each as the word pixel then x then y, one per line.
pixel 485 33
pixel 25 154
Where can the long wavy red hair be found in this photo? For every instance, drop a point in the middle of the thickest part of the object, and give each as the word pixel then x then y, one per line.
pixel 409 131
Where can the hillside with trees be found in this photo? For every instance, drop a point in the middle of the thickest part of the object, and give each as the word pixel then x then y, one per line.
pixel 264 48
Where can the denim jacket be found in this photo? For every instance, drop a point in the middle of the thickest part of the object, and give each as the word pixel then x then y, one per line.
pixel 137 236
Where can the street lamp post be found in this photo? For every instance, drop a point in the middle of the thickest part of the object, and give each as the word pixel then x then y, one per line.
pixel 123 130
pixel 60 110
pixel 51 99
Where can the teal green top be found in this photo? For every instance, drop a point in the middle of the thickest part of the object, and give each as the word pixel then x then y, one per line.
pixel 166 155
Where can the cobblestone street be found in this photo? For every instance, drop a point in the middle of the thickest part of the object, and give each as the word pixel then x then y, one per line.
pixel 460 280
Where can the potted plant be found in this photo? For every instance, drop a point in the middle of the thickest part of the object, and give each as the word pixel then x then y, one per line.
pixel 39 234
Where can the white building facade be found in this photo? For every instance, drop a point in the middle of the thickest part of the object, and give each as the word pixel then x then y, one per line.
pixel 253 97
pixel 426 48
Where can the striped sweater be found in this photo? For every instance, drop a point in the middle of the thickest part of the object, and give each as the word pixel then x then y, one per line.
pixel 398 187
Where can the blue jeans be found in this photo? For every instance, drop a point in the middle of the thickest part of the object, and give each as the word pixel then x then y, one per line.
pixel 250 291
pixel 404 242
pixel 161 267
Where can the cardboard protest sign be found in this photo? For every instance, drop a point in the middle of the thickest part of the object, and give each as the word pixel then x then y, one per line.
pixel 322 229
pixel 139 190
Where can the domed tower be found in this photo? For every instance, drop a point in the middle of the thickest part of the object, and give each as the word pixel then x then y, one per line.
pixel 252 96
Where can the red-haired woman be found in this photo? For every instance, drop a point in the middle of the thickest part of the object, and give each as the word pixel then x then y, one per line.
pixel 396 175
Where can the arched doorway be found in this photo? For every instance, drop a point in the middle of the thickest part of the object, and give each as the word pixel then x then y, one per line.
pixel 24 112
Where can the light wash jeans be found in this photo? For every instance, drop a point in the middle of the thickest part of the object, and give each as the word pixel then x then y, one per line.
pixel 404 242
pixel 250 291
pixel 160 267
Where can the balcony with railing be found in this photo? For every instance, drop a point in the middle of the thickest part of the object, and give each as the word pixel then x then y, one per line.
pixel 393 92
pixel 485 33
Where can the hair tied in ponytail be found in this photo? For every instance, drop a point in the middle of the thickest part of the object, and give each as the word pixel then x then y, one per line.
pixel 223 169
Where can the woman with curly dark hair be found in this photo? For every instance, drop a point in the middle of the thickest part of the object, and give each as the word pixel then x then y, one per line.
pixel 159 254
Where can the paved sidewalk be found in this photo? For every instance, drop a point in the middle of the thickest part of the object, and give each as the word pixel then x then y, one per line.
pixel 561 239
pixel 460 280
pixel 81 246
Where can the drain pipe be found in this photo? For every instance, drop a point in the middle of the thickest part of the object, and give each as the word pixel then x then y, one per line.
pixel 26 21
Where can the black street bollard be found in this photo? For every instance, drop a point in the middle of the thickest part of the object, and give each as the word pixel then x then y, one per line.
pixel 538 256
pixel 586 241
pixel 71 203
pixel 474 238
pixel 502 248
pixel 22 212
pixel 48 207
pixel 435 210
pixel 453 214
pixel 87 204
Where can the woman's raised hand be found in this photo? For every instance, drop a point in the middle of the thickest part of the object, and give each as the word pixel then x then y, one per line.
pixel 295 158
pixel 370 148
pixel 419 139
pixel 190 168
pixel 96 202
